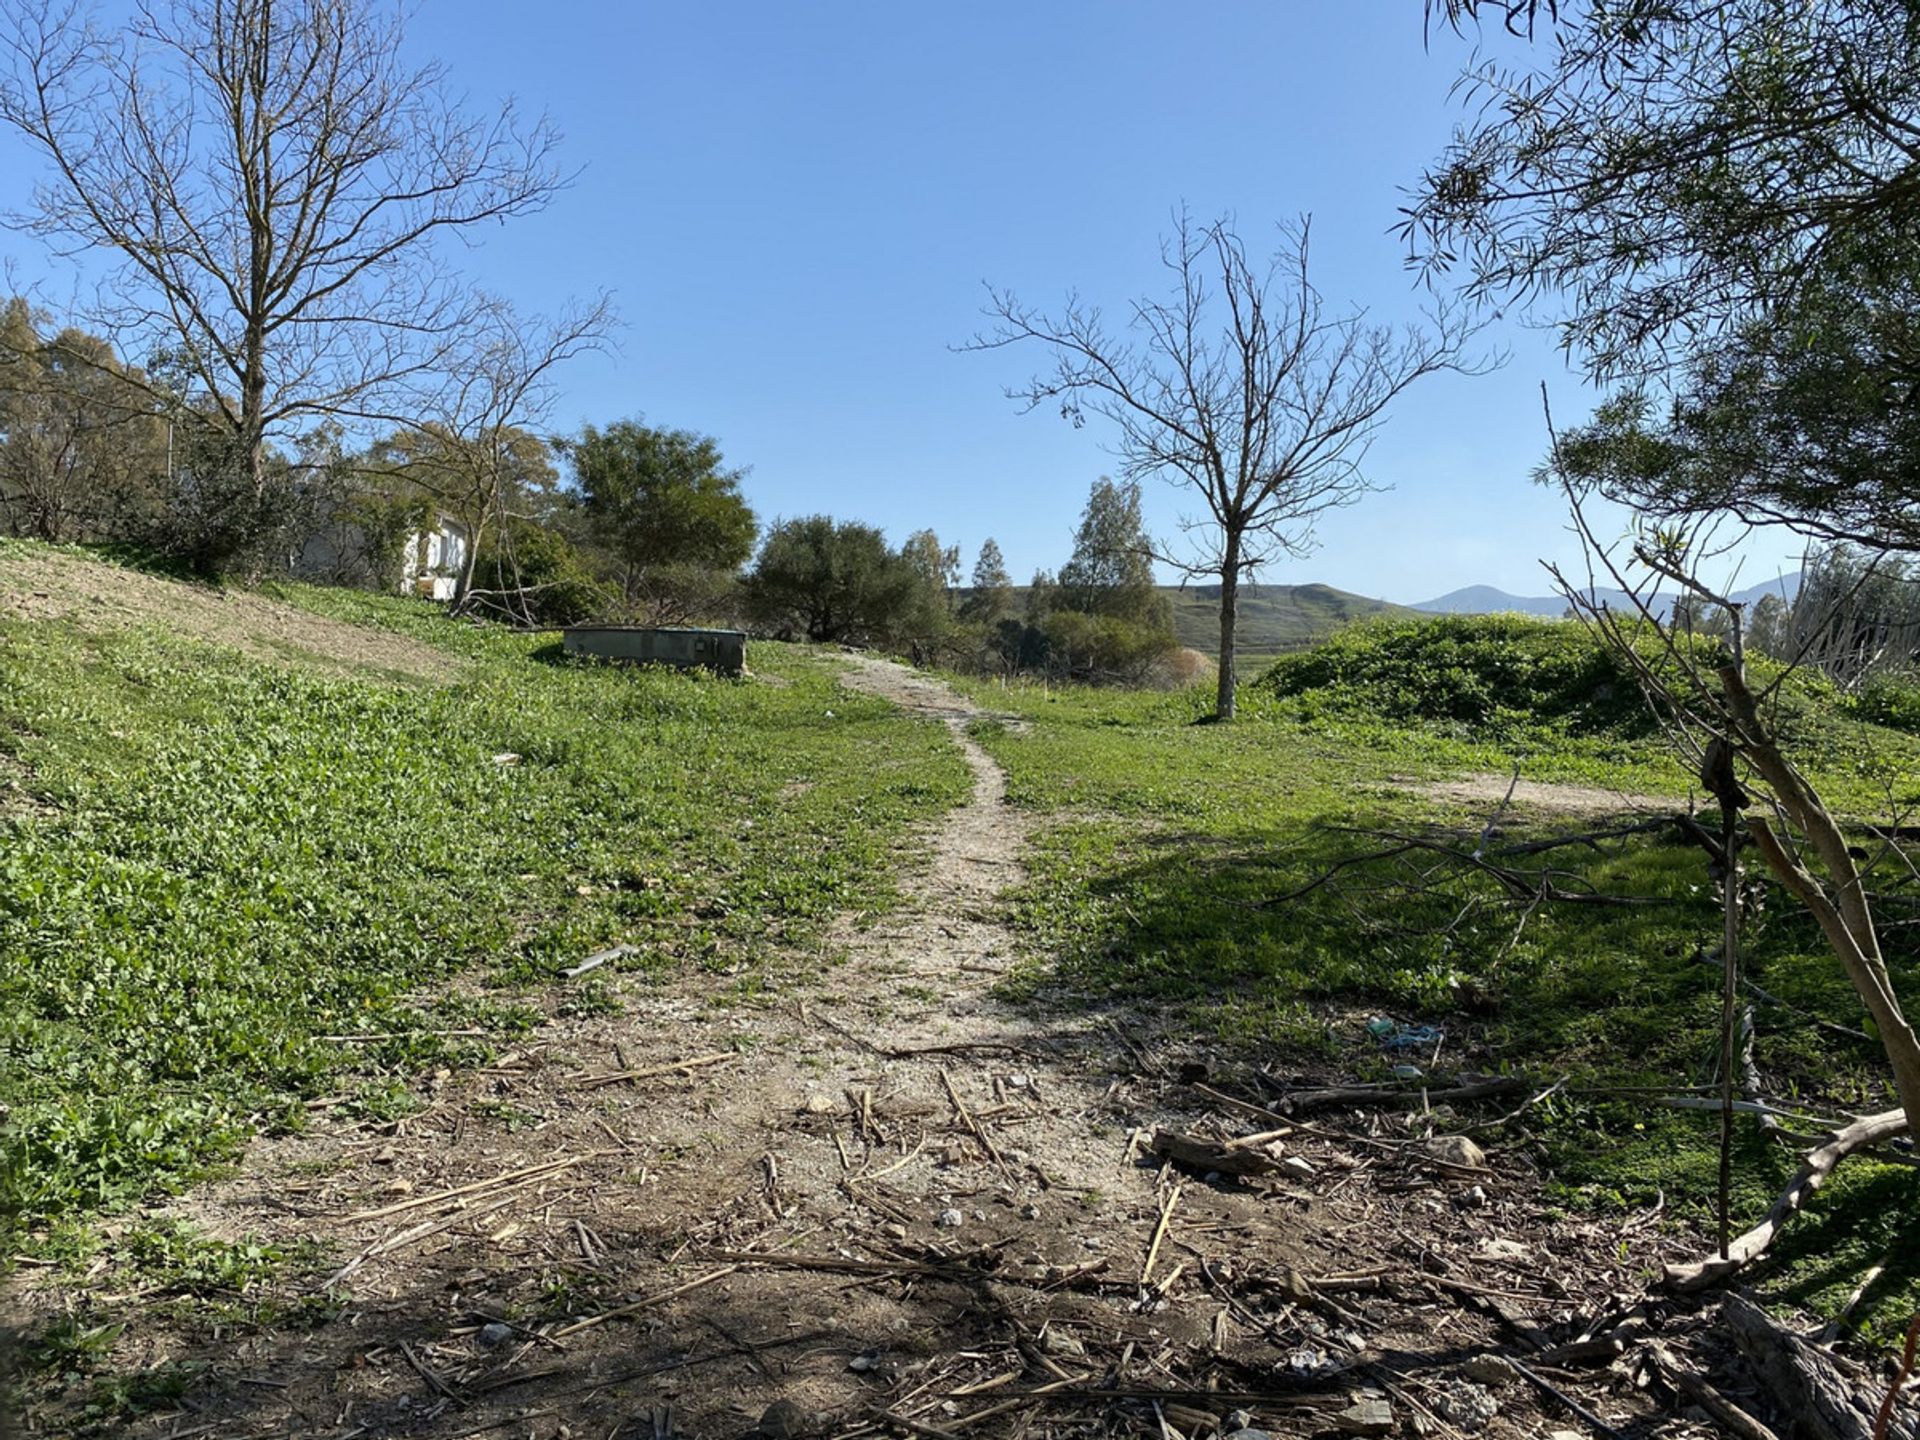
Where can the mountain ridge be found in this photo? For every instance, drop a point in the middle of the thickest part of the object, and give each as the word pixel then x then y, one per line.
pixel 1491 600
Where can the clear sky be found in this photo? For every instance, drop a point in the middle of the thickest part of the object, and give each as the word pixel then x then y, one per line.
pixel 796 206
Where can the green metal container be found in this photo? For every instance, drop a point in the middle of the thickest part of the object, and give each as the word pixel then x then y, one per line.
pixel 722 651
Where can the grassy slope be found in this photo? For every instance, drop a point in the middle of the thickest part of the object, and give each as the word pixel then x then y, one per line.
pixel 1272 619
pixel 209 863
pixel 1169 840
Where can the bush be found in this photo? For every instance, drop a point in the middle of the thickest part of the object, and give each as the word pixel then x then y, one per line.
pixel 1483 672
pixel 533 575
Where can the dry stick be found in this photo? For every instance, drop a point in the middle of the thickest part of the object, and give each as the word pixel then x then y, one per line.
pixel 1159 1234
pixel 917 1427
pixel 1024 1402
pixel 643 1303
pixel 426 1373
pixel 966 1119
pixel 1726 1414
pixel 718 1057
pixel 541 1171
pixel 1884 1419
pixel 1729 792
pixel 1813 1173
pixel 404 1238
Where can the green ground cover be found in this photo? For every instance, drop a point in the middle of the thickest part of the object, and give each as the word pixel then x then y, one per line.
pixel 1169 845
pixel 209 864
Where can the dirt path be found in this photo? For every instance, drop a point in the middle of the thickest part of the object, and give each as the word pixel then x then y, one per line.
pixel 877 1188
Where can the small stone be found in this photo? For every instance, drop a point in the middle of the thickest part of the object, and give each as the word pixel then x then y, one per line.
pixel 1247 1432
pixel 1018 1082
pixel 494 1334
pixel 1029 1211
pixel 1489 1369
pixel 1509 1250
pixel 1457 1150
pixel 1474 1199
pixel 897 1231
pixel 950 1220
pixel 395 1188
pixel 1366 1416
pixel 818 1104
pixel 1465 1405
pixel 386 1156
pixel 1298 1167
pixel 1239 1420
pixel 864 1362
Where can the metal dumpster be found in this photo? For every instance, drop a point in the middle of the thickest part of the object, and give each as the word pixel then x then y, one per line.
pixel 723 651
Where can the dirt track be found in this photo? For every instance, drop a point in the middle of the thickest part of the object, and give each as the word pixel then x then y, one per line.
pixel 866 1189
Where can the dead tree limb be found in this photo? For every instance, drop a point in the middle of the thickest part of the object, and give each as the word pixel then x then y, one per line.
pixel 1813 1173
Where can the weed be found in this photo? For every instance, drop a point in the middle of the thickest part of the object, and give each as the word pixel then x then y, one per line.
pixel 230 861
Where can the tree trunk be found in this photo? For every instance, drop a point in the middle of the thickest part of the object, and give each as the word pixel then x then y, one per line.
pixel 1840 904
pixel 1223 705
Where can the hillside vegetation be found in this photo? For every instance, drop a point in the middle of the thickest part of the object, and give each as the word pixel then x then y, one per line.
pixel 232 883
pixel 1274 619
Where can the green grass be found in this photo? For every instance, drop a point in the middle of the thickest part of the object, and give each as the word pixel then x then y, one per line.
pixel 1167 845
pixel 213 864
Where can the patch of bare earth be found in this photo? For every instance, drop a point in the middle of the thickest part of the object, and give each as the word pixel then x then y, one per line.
pixel 884 1198
pixel 1489 790
pixel 48 585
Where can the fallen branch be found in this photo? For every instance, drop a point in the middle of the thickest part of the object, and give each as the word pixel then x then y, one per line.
pixel 1297 1101
pixel 653 1072
pixel 1206 1156
pixel 550 1167
pixel 1727 1415
pixel 1814 1170
pixel 645 1302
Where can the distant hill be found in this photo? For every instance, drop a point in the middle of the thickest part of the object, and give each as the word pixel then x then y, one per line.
pixel 1486 600
pixel 1274 619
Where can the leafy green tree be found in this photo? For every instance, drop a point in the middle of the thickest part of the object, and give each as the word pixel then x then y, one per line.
pixel 666 505
pixel 82 451
pixel 1805 415
pixel 1770 627
pixel 992 590
pixel 832 580
pixel 1043 596
pixel 939 565
pixel 1657 173
pixel 1111 569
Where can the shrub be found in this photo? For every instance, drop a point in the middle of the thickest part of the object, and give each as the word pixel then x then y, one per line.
pixel 534 575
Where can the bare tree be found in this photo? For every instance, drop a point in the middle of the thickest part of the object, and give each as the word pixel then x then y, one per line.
pixel 465 441
pixel 275 180
pixel 1241 386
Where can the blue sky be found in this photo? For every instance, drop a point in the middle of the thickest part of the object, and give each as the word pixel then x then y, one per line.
pixel 796 206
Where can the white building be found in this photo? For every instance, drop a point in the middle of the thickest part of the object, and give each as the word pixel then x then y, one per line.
pixel 431 563
pixel 431 558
